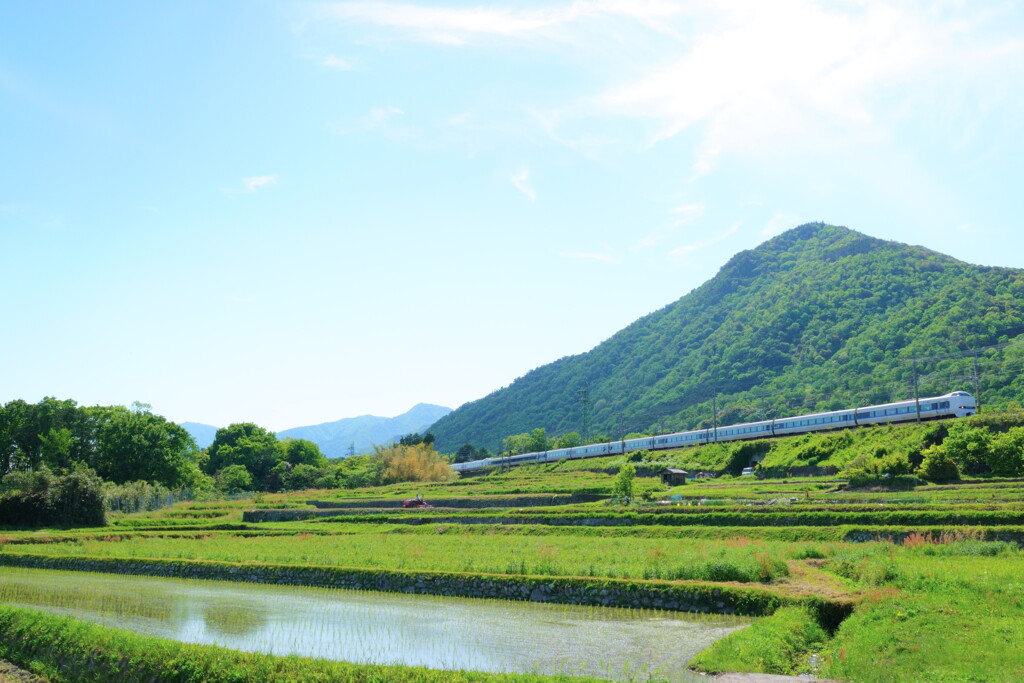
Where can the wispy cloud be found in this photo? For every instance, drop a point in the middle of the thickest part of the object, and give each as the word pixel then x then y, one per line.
pixel 521 182
pixel 697 246
pixel 753 78
pixel 680 215
pixel 645 243
pixel 258 182
pixel 379 116
pixel 381 120
pixel 795 75
pixel 463 26
pixel 337 63
pixel 29 217
pixel 780 223
pixel 687 213
pixel 595 256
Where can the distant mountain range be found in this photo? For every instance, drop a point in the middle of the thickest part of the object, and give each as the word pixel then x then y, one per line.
pixel 203 434
pixel 336 438
pixel 820 317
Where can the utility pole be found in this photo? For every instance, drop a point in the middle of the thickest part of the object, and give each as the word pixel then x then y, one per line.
pixel 584 396
pixel 714 409
pixel 762 395
pixel 622 434
pixel 917 396
pixel 977 386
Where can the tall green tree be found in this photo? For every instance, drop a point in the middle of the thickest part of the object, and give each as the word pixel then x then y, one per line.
pixel 300 452
pixel 623 486
pixel 245 444
pixel 134 445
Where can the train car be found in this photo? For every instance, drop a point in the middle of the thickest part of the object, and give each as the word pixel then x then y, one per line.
pixel 954 404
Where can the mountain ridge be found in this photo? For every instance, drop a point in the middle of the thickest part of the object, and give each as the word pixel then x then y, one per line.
pixel 336 437
pixel 819 316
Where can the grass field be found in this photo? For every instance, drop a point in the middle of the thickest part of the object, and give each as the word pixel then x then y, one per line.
pixel 945 602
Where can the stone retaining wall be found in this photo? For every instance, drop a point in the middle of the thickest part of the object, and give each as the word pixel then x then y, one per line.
pixel 461 503
pixel 260 516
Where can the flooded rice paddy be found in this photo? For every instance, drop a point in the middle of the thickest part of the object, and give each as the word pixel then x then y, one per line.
pixel 382 628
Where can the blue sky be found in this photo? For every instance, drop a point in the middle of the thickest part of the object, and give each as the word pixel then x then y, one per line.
pixel 290 213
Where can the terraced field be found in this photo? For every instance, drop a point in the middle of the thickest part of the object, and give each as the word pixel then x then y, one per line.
pixel 857 585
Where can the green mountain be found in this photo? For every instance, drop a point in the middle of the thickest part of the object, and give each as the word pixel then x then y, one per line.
pixel 820 317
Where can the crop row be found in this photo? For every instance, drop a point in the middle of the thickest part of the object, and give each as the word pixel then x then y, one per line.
pixel 64 649
pixel 683 597
pixel 447 549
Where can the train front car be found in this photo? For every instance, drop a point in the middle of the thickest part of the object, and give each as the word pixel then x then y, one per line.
pixel 956 404
pixel 962 404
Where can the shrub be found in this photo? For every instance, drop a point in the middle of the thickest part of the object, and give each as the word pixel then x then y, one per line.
pixel 418 462
pixel 968 447
pixel 889 471
pixel 937 467
pixel 41 499
pixel 1006 455
pixel 234 478
pixel 623 487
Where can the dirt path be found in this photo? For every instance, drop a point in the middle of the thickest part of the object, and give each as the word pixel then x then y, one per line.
pixel 805 578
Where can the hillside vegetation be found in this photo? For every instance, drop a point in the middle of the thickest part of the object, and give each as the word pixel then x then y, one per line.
pixel 820 317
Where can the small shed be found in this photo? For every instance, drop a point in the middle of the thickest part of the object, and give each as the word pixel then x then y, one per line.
pixel 673 477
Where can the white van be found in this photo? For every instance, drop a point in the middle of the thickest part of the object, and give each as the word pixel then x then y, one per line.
pixel 747 471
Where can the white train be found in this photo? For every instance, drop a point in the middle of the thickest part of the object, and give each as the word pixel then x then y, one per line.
pixel 956 404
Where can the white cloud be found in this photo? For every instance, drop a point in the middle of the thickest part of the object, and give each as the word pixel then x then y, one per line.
pixel 787 80
pixel 793 75
pixel 697 246
pixel 258 182
pixel 595 256
pixel 520 181
pixel 338 63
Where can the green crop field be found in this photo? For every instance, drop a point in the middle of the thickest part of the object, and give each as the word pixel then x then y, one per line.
pixel 926 581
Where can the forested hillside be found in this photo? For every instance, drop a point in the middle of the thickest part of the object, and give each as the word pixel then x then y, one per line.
pixel 820 317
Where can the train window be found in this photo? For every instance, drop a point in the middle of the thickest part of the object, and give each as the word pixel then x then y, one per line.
pixel 945 404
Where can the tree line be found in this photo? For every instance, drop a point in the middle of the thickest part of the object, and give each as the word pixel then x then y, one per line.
pixel 64 464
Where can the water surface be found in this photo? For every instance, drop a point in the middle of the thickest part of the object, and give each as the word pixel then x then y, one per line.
pixel 382 628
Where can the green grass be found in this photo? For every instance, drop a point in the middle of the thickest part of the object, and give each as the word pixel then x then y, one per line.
pixel 779 644
pixel 945 603
pixel 450 549
pixel 899 635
